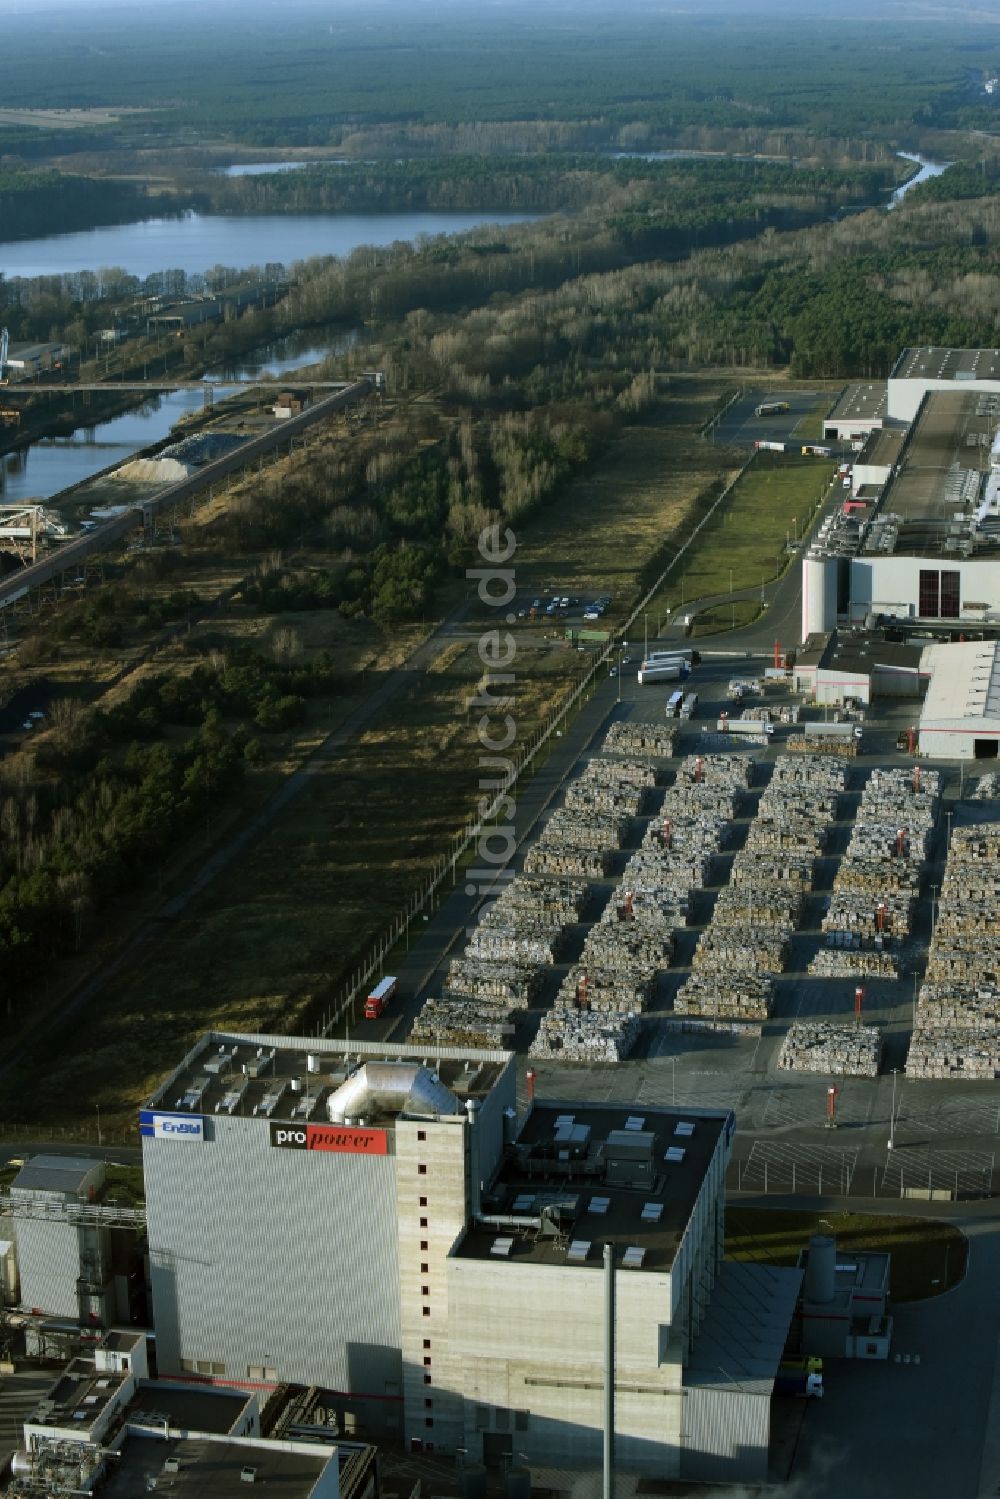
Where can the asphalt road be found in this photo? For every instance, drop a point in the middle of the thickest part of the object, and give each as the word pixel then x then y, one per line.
pixel 741 428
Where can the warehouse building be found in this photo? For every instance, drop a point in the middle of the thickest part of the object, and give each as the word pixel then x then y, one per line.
pixel 960 717
pixel 859 411
pixel 27 360
pixel 919 371
pixel 858 666
pixel 377 1221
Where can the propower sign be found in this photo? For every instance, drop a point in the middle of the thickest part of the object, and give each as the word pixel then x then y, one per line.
pixel 338 1138
pixel 156 1126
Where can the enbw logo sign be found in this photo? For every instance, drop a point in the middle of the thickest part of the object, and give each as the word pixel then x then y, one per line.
pixel 156 1126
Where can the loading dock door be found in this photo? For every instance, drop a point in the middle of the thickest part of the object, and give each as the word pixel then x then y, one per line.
pixel 985 749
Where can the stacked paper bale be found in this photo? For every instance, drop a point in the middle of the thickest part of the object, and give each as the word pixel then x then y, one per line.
pixel 840 963
pixel 875 888
pixel 957 1031
pixel 835 1050
pixel 631 737
pixel 757 912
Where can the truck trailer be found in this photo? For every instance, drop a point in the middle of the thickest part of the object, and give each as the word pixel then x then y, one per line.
pixel 380 998
pixel 662 671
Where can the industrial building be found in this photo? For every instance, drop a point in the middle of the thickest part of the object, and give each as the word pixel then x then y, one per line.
pixel 378 1221
pixel 104 1428
pixel 919 371
pixel 960 715
pixel 859 666
pixel 843 1310
pixel 26 360
pixel 78 1256
pixel 859 411
pixel 919 537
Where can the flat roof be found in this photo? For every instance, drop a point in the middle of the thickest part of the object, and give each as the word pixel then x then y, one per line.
pixel 865 652
pixel 928 507
pixel 947 364
pixel 564 1191
pixel 883 447
pixel 80 1395
pixel 865 401
pixel 965 681
pixel 292 1077
pixel 54 1173
pixel 202 1408
pixel 212 1469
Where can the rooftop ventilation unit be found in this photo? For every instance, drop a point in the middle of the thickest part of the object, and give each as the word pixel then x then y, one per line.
pixel 248 1475
pixel 500 1248
pixel 578 1251
pixel 634 1257
pixel 523 1202
pixel 172 1465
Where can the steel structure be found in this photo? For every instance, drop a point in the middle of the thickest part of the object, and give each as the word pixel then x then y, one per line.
pixel 19 528
pixel 80 1214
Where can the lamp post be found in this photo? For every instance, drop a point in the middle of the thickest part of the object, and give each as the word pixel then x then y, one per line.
pixel 98 1108
pixel 619 678
pixel 892 1111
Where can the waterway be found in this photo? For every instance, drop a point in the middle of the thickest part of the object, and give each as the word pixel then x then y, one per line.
pixel 194 242
pixel 927 169
pixel 54 463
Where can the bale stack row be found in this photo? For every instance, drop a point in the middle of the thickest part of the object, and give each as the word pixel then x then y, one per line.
pixel 591 797
pixel 875 888
pixel 834 1050
pixel 456 1020
pixel 987 788
pixel 633 738
pixel 639 773
pixel 583 1036
pixel 747 944
pixel 957 1032
pixel 595 1011
pixel 833 749
pixel 848 963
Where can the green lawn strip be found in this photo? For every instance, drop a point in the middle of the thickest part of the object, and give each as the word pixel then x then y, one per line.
pixel 744 543
pixel 928 1255
pixel 726 617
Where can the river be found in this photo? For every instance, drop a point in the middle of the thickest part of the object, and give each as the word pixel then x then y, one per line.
pixel 927 169
pixel 194 242
pixel 54 463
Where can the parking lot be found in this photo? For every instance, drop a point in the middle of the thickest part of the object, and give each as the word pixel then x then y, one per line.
pixel 740 428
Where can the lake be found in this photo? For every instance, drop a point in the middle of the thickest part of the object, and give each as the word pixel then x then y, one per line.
pixel 193 242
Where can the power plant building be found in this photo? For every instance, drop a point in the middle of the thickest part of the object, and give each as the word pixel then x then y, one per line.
pixel 377 1220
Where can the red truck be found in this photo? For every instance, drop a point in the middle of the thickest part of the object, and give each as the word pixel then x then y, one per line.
pixel 380 998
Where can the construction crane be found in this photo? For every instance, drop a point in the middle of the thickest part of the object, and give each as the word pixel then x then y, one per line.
pixel 4 349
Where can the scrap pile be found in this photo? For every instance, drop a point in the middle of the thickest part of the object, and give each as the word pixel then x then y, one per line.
pixel 957 1033
pixel 875 888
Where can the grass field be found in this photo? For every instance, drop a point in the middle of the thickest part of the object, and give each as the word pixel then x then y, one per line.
pixel 744 544
pixel 928 1255
pixel 726 617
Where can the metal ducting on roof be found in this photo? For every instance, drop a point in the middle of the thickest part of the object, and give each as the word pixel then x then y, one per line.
pixel 391 1087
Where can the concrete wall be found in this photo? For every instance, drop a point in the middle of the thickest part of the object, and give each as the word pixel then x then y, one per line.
pixel 527 1339
pixel 432 1208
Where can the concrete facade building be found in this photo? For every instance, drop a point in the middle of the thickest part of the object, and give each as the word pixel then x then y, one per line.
pixel 960 715
pixel 377 1221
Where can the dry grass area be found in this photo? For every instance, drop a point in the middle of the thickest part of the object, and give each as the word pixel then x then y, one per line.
pixel 67 119
pixel 283 925
pixel 603 533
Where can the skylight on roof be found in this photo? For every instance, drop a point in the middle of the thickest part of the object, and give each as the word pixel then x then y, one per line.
pixel 501 1248
pixel 600 1205
pixel 634 1257
pixel 578 1250
pixel 652 1212
pixel 684 1127
pixel 674 1153
pixel 635 1121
